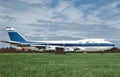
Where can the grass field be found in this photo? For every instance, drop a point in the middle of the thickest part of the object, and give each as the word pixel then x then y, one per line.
pixel 51 65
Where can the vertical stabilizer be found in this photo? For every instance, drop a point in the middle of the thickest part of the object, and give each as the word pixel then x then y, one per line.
pixel 14 35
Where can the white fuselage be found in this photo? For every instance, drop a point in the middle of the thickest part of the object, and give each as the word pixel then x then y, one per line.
pixel 80 45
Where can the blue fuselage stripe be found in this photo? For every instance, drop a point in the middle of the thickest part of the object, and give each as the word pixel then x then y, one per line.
pixel 92 44
pixel 70 44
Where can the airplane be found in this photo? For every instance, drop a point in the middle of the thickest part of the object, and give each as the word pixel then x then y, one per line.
pixel 94 44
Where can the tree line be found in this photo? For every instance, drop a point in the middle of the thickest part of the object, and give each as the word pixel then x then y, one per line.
pixel 15 50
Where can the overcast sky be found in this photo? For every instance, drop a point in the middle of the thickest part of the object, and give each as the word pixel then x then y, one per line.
pixel 61 19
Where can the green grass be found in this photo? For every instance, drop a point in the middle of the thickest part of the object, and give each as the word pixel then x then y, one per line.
pixel 51 65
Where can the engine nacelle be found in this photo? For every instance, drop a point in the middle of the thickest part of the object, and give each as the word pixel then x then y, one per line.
pixel 68 49
pixel 50 48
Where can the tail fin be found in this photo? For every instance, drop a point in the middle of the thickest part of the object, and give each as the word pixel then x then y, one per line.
pixel 14 35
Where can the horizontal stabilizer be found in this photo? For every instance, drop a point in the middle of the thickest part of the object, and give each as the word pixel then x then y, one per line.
pixel 17 43
pixel 11 42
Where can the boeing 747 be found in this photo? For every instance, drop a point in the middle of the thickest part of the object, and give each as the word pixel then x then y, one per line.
pixel 80 45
